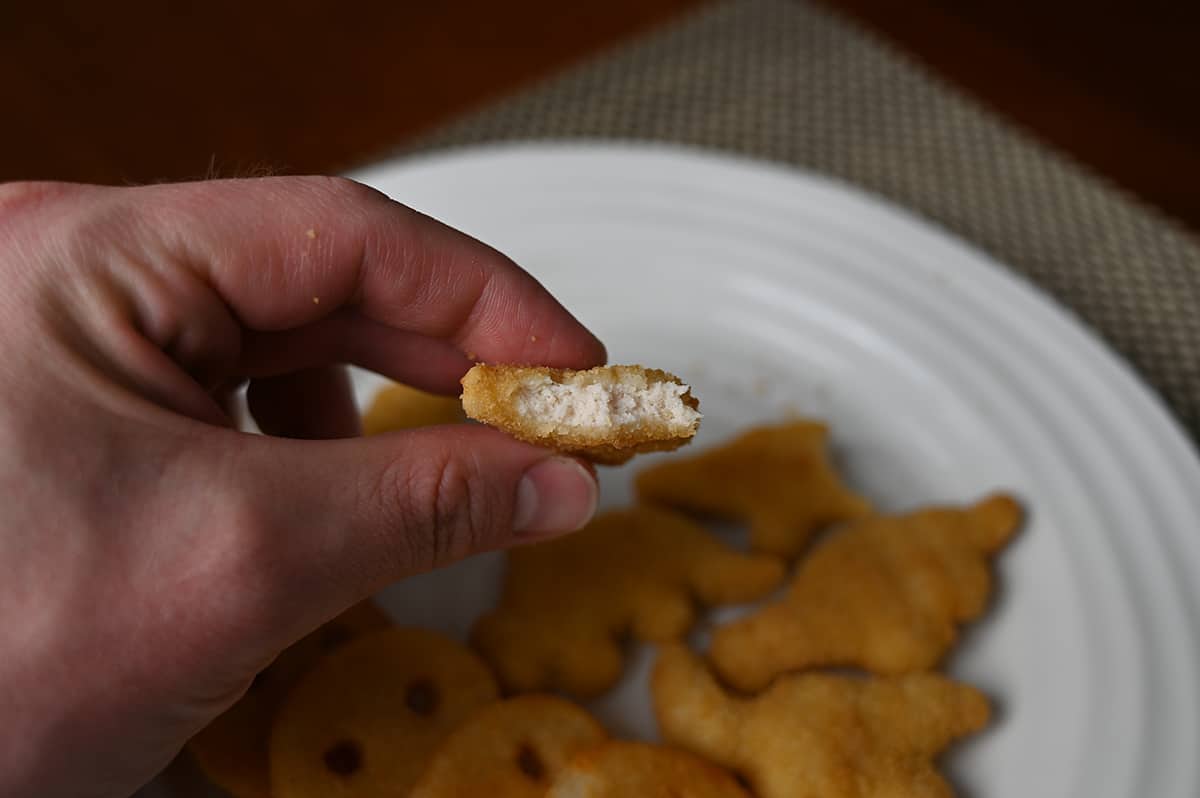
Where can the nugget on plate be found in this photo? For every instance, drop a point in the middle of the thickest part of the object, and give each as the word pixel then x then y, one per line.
pixel 509 749
pixel 232 750
pixel 819 735
pixel 567 603
pixel 885 594
pixel 606 414
pixel 366 719
pixel 778 479
pixel 620 768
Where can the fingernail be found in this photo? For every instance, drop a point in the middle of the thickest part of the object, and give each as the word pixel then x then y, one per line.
pixel 556 495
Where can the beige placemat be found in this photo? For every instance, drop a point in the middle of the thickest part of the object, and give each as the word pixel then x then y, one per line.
pixel 789 82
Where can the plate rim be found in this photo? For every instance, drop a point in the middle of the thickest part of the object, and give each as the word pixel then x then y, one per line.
pixel 981 260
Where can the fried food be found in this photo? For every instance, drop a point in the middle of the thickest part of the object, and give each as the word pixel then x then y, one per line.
pixel 817 735
pixel 618 768
pixel 509 749
pixel 232 750
pixel 567 603
pixel 606 414
pixel 366 719
pixel 397 407
pixel 777 479
pixel 885 594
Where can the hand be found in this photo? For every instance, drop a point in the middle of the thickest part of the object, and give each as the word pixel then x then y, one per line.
pixel 152 557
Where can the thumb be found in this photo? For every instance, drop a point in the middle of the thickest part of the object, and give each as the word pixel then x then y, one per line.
pixel 344 518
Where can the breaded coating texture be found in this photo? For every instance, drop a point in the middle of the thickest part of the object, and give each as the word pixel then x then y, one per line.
pixel 624 769
pixel 232 750
pixel 567 603
pixel 509 749
pixel 816 735
pixel 777 479
pixel 366 719
pixel 606 414
pixel 885 594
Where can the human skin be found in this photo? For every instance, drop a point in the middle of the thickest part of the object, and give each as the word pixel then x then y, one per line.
pixel 152 557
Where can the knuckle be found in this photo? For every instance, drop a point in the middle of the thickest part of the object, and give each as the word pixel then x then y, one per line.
pixel 343 190
pixel 249 589
pixel 458 509
pixel 245 517
pixel 438 511
pixel 28 194
pixel 244 551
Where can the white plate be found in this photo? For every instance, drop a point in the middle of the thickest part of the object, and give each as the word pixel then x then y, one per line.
pixel 943 376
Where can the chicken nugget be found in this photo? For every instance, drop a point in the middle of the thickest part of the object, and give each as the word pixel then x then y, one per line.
pixel 567 603
pixel 619 768
pixel 606 414
pixel 816 735
pixel 509 749
pixel 778 479
pixel 232 750
pixel 366 719
pixel 397 407
pixel 885 594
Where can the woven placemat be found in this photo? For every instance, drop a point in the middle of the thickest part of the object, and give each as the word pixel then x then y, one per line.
pixel 789 82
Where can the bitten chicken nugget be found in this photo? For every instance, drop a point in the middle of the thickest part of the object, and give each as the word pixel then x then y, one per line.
pixel 366 719
pixel 618 769
pixel 398 407
pixel 567 603
pixel 232 750
pixel 777 479
pixel 509 749
pixel 817 735
pixel 884 594
pixel 606 414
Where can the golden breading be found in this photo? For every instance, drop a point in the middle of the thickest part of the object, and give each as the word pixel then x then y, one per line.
pixel 623 769
pixel 885 594
pixel 777 479
pixel 232 750
pixel 509 749
pixel 397 407
pixel 816 735
pixel 606 414
pixel 367 718
pixel 568 602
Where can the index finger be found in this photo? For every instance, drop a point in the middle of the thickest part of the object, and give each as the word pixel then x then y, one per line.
pixel 287 252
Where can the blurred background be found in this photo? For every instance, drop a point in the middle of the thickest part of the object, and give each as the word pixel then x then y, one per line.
pixel 141 91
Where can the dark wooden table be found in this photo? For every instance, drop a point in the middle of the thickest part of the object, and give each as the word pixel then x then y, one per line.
pixel 141 91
